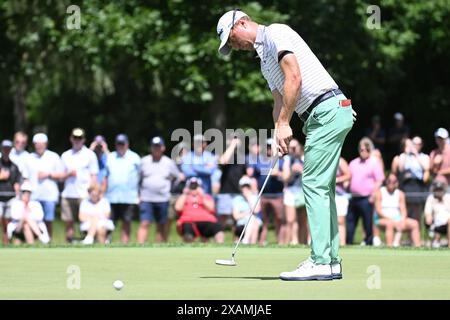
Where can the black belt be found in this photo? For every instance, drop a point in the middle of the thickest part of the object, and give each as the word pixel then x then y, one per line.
pixel 327 95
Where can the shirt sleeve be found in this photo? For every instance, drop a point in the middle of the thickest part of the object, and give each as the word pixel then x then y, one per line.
pixel 37 211
pixel 16 210
pixel 83 207
pixel 378 171
pixel 93 163
pixel 429 206
pixel 280 41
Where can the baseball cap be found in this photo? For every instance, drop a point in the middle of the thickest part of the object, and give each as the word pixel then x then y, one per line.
pixel 7 143
pixel 398 116
pixel 244 181
pixel 224 26
pixel 121 138
pixel 439 185
pixel 26 186
pixel 78 133
pixel 441 133
pixel 40 138
pixel 157 141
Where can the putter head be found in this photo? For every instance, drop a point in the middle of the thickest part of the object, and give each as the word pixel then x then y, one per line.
pixel 230 263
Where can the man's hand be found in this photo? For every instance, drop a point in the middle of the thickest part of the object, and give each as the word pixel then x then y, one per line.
pixel 283 135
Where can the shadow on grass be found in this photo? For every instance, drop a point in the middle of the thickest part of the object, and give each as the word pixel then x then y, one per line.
pixel 249 278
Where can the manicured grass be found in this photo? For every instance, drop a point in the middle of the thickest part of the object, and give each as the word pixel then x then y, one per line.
pixel 189 272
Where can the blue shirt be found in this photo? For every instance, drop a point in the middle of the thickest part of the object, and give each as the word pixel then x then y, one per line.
pixel 102 168
pixel 274 186
pixel 123 177
pixel 201 166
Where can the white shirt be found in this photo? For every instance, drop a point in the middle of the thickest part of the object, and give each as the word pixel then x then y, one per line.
pixel 390 203
pixel 18 210
pixel 85 163
pixel 270 40
pixel 440 211
pixel 99 209
pixel 19 158
pixel 43 189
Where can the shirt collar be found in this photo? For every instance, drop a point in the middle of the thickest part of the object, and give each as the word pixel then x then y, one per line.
pixel 259 41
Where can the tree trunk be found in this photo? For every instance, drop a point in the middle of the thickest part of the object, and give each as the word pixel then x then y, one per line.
pixel 20 116
pixel 218 116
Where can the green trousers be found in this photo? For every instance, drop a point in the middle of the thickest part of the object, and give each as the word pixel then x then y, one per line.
pixel 325 131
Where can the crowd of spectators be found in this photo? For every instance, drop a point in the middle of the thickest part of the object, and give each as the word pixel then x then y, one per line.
pixel 392 186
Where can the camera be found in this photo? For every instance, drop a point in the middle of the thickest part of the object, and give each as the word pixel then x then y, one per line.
pixel 193 185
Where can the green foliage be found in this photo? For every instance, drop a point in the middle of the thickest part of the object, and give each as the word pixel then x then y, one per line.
pixel 147 67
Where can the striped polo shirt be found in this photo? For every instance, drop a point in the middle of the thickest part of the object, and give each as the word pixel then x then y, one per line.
pixel 270 40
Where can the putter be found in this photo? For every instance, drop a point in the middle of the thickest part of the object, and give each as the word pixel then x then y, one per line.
pixel 232 262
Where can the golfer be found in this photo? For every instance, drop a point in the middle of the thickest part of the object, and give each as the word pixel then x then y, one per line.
pixel 300 83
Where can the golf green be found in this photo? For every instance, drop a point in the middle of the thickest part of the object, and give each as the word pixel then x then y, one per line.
pixel 189 272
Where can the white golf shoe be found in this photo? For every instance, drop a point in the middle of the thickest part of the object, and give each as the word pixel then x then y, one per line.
pixel 308 270
pixel 88 240
pixel 44 238
pixel 336 271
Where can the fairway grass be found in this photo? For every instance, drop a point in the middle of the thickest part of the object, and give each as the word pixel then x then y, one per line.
pixel 189 272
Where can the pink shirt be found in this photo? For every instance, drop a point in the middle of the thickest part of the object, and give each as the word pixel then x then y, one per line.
pixel 365 174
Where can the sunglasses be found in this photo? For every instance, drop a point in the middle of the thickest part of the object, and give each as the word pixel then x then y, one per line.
pixel 232 21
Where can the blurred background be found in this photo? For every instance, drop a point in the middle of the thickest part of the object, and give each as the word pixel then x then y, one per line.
pixel 148 67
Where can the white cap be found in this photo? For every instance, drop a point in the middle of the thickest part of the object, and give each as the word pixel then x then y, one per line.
pixel 441 133
pixel 224 28
pixel 245 181
pixel 398 116
pixel 26 186
pixel 40 138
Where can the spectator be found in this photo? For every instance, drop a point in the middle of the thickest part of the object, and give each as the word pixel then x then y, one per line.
pixel 10 179
pixel 196 214
pixel 19 153
pixel 121 184
pixel 94 216
pixel 440 157
pixel 412 169
pixel 232 171
pixel 200 163
pixel 100 148
pixel 396 134
pixel 376 133
pixel 272 196
pixel 27 216
pixel 343 176
pixel 366 177
pixel 251 159
pixel 390 208
pixel 242 206
pixel 437 213
pixel 80 171
pixel 294 199
pixel 157 172
pixel 43 169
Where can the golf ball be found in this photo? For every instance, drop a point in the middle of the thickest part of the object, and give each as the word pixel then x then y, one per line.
pixel 118 284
